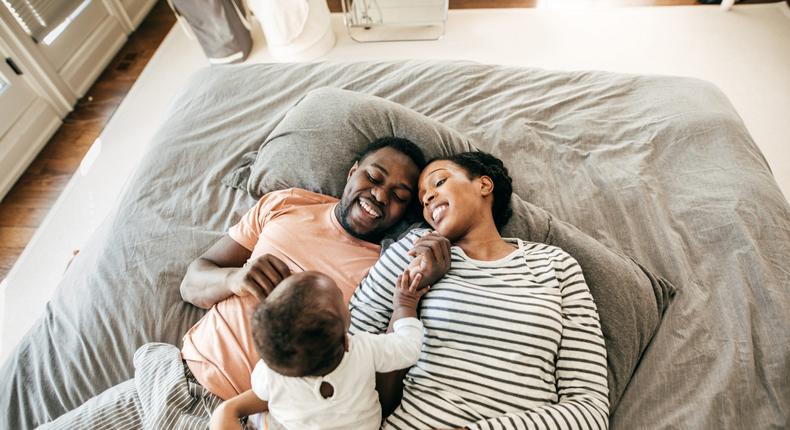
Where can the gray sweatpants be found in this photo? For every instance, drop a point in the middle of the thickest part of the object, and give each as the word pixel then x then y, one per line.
pixel 162 395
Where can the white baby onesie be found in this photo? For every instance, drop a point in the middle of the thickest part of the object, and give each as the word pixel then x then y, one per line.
pixel 297 404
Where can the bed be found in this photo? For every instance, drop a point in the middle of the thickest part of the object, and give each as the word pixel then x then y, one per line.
pixel 659 168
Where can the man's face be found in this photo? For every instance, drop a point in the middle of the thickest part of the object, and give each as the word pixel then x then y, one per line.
pixel 378 192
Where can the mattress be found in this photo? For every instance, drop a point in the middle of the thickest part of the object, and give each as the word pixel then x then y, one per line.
pixel 659 168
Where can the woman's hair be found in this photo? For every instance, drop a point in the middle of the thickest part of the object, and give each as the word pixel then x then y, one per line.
pixel 293 332
pixel 477 164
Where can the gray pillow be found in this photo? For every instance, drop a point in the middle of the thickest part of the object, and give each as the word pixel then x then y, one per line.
pixel 316 142
pixel 630 299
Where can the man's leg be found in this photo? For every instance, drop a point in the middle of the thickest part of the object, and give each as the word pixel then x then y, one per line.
pixel 162 395
pixel 116 408
pixel 170 396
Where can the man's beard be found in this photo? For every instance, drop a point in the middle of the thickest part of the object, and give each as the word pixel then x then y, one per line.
pixel 373 236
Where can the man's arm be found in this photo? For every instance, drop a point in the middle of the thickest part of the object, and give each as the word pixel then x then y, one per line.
pixel 206 280
pixel 224 270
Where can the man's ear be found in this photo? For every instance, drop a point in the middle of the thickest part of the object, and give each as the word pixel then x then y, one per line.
pixel 352 170
pixel 486 185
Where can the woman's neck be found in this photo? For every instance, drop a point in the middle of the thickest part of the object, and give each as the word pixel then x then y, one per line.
pixel 484 243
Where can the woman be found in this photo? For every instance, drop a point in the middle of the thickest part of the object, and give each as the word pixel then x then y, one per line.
pixel 512 336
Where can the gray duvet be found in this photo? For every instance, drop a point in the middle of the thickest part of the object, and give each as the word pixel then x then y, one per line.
pixel 660 168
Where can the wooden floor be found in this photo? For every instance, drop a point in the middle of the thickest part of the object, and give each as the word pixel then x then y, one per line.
pixel 26 205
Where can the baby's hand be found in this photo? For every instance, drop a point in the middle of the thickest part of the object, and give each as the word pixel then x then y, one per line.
pixel 407 295
pixel 432 258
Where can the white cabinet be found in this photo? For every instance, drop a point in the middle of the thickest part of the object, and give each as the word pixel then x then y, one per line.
pixel 26 121
pixel 15 95
pixel 84 47
pixel 56 71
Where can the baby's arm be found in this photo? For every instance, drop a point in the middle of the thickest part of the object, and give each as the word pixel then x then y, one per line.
pixel 228 414
pixel 407 295
pixel 400 348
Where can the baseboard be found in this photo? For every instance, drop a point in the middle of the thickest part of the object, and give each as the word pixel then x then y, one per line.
pixel 20 145
pixel 93 56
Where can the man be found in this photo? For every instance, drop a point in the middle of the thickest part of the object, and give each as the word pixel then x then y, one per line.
pixel 287 231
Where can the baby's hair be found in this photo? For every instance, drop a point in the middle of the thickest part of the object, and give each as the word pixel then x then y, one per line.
pixel 479 163
pixel 293 332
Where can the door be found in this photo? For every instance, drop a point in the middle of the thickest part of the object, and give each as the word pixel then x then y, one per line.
pixel 15 94
pixel 73 45
pixel 64 40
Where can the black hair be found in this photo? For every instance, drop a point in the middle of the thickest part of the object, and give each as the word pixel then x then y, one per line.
pixel 479 163
pixel 400 144
pixel 293 332
pixel 411 150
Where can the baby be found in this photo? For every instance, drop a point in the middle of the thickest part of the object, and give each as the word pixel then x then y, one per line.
pixel 312 374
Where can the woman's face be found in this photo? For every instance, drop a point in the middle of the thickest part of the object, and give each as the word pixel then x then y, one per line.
pixel 451 201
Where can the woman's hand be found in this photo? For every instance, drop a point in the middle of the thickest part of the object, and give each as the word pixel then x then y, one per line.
pixel 258 277
pixel 432 259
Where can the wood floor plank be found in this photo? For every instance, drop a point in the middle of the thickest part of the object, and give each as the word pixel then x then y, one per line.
pixel 8 257
pixel 16 237
pixel 20 216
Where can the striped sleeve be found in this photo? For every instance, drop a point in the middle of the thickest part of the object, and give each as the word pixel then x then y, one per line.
pixel 580 371
pixel 371 304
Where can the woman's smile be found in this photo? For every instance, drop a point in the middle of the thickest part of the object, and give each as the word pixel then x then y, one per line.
pixel 438 212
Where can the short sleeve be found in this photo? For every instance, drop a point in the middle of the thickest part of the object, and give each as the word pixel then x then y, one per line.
pixel 260 380
pixel 247 231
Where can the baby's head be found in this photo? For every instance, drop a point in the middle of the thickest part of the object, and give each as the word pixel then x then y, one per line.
pixel 300 329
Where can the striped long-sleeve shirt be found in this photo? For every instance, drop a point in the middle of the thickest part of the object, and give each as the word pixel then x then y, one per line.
pixel 514 343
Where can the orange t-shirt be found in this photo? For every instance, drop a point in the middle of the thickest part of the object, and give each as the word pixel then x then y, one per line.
pixel 301 229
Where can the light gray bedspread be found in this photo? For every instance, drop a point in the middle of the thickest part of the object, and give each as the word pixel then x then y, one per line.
pixel 661 168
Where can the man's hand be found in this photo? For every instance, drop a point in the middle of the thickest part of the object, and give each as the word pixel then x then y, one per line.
pixel 432 259
pixel 258 277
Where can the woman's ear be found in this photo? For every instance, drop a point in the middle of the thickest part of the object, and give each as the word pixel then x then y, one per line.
pixel 486 185
pixel 352 170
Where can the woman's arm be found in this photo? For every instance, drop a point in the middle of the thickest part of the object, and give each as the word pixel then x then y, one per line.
pixel 228 414
pixel 580 367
